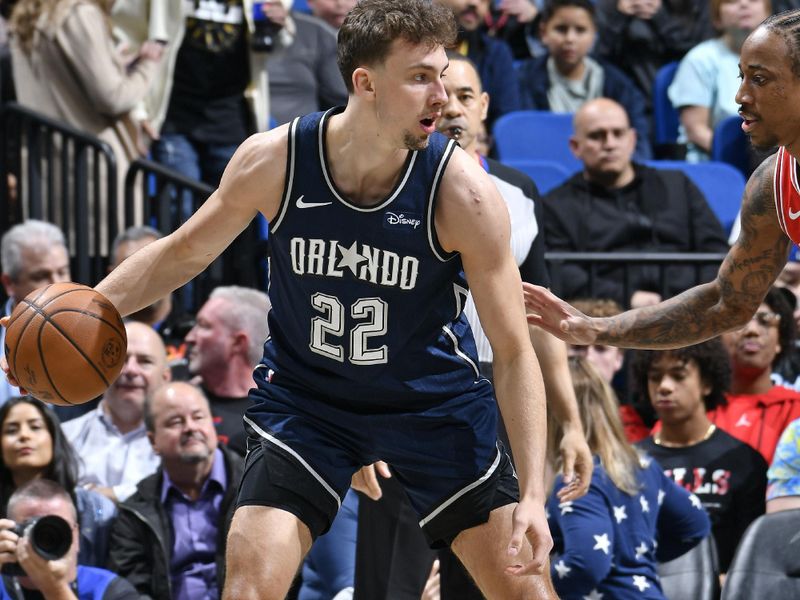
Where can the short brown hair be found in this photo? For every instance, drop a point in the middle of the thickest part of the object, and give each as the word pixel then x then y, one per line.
pixel 369 29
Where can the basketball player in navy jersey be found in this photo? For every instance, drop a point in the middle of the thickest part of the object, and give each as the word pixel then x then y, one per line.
pixel 769 98
pixel 377 223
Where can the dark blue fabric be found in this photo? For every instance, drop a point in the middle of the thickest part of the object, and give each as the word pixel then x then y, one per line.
pixel 496 69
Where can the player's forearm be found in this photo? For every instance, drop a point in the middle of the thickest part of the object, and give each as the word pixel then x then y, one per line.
pixel 520 396
pixel 694 316
pixel 552 355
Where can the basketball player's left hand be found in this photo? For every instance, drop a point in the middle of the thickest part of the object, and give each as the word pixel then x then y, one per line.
pixel 529 521
pixel 577 465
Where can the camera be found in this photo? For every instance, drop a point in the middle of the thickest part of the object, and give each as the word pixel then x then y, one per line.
pixel 265 31
pixel 50 537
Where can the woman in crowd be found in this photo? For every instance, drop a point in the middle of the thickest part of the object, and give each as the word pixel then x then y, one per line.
pixel 605 542
pixel 33 446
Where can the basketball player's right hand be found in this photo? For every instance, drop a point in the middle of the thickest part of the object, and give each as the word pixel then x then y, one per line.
pixel 529 521
pixel 546 310
pixel 4 362
pixel 365 480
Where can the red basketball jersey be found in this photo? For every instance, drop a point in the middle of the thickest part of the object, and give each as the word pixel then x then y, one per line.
pixel 787 194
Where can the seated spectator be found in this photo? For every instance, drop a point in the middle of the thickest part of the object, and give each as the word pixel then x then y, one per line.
pixel 111 441
pixel 304 77
pixel 33 254
pixel 169 537
pixel 783 477
pixel 608 542
pixel 34 447
pixel 641 36
pixel 491 56
pixel 223 348
pixel 616 205
pixel 757 410
pixel 704 88
pixel 65 577
pixel 332 12
pixel 67 67
pixel 515 22
pixel 727 475
pixel 567 77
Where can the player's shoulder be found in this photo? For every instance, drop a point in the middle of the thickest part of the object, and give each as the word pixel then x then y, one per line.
pixel 464 178
pixel 760 186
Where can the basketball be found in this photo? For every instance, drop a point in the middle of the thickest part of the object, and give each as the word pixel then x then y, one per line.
pixel 65 343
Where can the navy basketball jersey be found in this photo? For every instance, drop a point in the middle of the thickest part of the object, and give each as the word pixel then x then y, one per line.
pixel 366 305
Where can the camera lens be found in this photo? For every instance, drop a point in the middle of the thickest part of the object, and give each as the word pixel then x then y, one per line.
pixel 51 537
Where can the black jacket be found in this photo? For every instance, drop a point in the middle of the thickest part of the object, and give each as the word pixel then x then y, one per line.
pixel 659 211
pixel 142 536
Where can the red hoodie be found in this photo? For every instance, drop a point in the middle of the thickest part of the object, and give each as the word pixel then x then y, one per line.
pixel 758 419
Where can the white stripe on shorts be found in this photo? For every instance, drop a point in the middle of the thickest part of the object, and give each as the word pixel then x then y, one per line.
pixel 461 492
pixel 280 444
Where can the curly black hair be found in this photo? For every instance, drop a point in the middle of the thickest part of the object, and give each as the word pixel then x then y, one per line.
pixel 712 361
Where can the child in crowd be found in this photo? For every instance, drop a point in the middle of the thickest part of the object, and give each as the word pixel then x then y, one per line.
pixel 608 542
pixel 566 77
pixel 726 474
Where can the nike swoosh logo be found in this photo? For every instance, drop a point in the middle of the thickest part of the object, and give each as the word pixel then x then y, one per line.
pixel 793 215
pixel 303 204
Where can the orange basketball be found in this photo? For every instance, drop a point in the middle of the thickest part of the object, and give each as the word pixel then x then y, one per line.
pixel 65 343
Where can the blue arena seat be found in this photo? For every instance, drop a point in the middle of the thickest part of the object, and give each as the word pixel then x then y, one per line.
pixel 301 6
pixel 722 185
pixel 665 116
pixel 546 174
pixel 535 135
pixel 731 145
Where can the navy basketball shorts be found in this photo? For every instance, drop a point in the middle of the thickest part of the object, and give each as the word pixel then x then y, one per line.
pixel 303 450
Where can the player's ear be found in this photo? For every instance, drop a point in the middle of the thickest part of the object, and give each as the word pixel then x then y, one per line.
pixel 363 84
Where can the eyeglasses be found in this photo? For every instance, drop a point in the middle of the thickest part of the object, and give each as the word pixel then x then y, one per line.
pixel 766 319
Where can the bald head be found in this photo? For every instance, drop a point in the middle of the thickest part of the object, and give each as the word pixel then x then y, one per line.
pixel 604 141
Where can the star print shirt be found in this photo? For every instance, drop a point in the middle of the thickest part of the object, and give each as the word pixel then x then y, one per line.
pixel 607 543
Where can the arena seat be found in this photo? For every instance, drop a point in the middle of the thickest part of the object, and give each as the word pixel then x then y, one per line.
pixel 767 562
pixel 722 185
pixel 693 575
pixel 665 116
pixel 731 145
pixel 546 174
pixel 535 135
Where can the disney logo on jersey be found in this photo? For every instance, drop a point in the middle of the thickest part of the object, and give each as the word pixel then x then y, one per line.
pixel 329 258
pixel 401 221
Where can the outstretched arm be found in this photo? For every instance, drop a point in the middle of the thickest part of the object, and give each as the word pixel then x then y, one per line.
pixel 700 313
pixel 472 219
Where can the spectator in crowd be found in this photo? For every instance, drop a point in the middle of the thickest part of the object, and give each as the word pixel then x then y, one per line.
pixel 704 88
pixel 757 410
pixel 491 56
pixel 783 477
pixel 63 578
pixel 169 537
pixel 607 543
pixel 566 77
pixel 223 348
pixel 726 474
pixel 616 205
pixel 514 22
pixel 34 447
pixel 33 254
pixel 332 12
pixel 66 66
pixel 305 77
pixel 641 36
pixel 111 440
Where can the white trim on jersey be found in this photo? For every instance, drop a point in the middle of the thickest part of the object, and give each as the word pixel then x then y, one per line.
pixel 460 352
pixel 329 182
pixel 272 439
pixel 288 191
pixel 434 188
pixel 433 514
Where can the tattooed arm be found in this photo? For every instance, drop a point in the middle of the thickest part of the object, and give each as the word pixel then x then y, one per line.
pixel 702 312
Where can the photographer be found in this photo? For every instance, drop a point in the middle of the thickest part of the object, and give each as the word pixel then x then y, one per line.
pixel 26 540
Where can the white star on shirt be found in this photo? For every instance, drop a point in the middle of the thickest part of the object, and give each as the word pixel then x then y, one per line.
pixel 619 513
pixel 640 581
pixel 645 504
pixel 566 507
pixel 661 494
pixel 594 595
pixel 695 501
pixel 601 542
pixel 641 550
pixel 350 258
pixel 562 569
